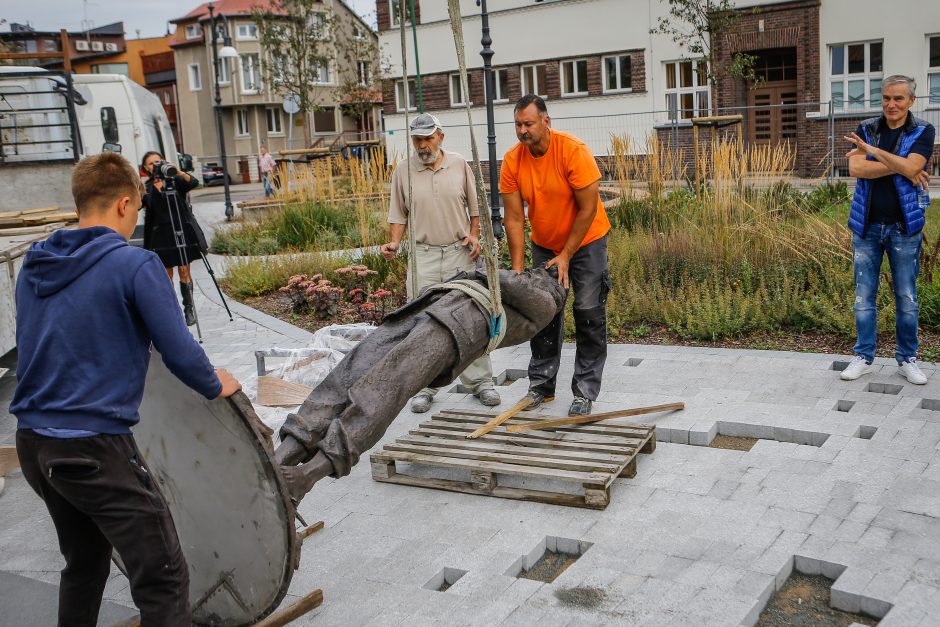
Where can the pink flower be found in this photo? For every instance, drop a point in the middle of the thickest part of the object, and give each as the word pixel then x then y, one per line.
pixel 379 294
pixel 367 307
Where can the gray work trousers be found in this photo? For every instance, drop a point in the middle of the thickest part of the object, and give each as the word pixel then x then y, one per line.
pixel 437 264
pixel 590 279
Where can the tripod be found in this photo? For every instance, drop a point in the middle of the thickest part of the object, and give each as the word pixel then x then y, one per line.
pixel 179 239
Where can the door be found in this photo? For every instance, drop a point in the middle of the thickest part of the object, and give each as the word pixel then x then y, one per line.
pixel 770 120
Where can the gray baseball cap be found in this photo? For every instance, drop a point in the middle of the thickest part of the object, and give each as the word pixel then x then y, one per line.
pixel 424 125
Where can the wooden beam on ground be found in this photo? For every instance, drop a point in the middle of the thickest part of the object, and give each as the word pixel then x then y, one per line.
pixel 312 529
pixel 501 418
pixel 293 611
pixel 581 420
pixel 8 459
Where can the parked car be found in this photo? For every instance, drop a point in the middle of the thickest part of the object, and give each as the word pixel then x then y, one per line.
pixel 212 174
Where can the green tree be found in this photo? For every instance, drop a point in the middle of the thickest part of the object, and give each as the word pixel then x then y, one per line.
pixel 697 24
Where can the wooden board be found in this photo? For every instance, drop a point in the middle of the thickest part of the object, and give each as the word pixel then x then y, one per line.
pixel 274 392
pixel 8 460
pixel 590 456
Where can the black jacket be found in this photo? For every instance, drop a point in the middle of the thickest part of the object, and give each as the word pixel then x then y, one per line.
pixel 157 215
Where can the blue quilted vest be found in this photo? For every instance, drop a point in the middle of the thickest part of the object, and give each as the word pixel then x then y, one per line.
pixel 912 215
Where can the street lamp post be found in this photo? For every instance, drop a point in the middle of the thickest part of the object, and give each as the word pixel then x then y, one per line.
pixel 227 52
pixel 487 54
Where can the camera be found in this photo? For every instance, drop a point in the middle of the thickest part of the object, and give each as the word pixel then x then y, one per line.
pixel 164 170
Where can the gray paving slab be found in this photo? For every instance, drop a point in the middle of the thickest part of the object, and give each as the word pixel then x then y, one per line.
pixel 843 481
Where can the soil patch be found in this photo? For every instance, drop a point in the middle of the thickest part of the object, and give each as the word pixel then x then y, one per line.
pixel 549 567
pixel 733 442
pixel 583 597
pixel 804 600
pixel 278 306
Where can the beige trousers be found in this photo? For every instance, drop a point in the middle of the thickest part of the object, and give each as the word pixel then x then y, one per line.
pixel 436 264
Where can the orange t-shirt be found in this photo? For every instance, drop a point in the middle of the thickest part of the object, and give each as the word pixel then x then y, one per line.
pixel 547 184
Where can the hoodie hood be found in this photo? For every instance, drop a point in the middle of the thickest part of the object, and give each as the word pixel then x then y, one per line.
pixel 55 263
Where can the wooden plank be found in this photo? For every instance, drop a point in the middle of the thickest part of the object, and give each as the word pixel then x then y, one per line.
pixel 560 445
pixel 489 447
pixel 498 467
pixel 501 418
pixel 293 611
pixel 561 435
pixel 580 420
pixel 8 460
pixel 519 494
pixel 637 429
pixel 274 392
pixel 505 458
pixel 312 529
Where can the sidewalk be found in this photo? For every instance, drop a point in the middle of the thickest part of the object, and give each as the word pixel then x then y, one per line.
pixel 844 481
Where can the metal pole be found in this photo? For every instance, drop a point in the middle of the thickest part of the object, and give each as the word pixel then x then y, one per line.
pixel 414 34
pixel 229 210
pixel 487 54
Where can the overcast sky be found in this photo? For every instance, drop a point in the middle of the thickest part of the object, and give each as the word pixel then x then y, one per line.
pixel 149 16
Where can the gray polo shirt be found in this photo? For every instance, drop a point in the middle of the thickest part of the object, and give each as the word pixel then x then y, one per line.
pixel 443 199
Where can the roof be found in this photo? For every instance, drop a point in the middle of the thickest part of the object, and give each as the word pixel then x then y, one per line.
pixel 108 30
pixel 222 7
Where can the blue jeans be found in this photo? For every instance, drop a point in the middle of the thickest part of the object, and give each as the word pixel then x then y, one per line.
pixel 904 260
pixel 266 179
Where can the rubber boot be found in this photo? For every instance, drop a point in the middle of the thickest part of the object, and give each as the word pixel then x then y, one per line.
pixel 189 313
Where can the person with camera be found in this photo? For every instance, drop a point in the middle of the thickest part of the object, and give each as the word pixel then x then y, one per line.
pixel 163 217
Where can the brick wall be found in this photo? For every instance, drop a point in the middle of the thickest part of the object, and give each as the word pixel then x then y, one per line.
pixel 383 13
pixel 436 90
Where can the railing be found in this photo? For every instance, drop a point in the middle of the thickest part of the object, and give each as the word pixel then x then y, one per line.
pixel 37 118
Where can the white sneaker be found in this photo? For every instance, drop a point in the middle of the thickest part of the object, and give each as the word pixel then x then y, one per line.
pixel 911 372
pixel 856 368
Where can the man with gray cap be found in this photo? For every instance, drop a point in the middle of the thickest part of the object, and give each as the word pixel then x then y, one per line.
pixel 447 231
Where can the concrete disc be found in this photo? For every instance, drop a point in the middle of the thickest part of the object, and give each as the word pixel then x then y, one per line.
pixel 215 466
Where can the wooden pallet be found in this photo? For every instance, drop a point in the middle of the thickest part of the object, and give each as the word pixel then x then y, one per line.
pixel 591 455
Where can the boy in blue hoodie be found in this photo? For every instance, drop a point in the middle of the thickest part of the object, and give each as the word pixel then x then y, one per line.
pixel 88 308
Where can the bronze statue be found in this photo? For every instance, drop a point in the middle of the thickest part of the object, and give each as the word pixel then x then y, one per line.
pixel 425 343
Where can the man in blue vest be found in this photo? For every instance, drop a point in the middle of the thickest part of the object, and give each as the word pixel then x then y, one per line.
pixel 889 160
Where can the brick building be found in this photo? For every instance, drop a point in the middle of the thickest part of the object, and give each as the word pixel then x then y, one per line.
pixel 821 63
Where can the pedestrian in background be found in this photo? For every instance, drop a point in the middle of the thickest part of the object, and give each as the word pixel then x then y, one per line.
pixel 267 165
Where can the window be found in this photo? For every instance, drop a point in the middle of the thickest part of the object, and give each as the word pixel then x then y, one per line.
pixel 167 97
pixel 324 120
pixel 501 85
pixel 456 91
pixel 617 73
pixel 109 68
pixel 241 122
pixel 193 31
pixel 247 31
pixel 195 80
pixel 273 115
pixel 687 92
pixel 323 76
pixel 50 45
pixel 856 76
pixel 533 80
pixel 933 73
pixel 220 30
pixel 251 73
pixel 396 11
pixel 359 33
pixel 225 74
pixel 319 26
pixel 362 71
pixel 574 78
pixel 109 125
pixel 400 95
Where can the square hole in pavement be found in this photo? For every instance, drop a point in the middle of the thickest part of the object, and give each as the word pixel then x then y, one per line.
pixel 444 579
pixel 884 388
pixel 549 559
pixel 844 405
pixel 930 403
pixel 839 366
pixel 633 361
pixel 865 432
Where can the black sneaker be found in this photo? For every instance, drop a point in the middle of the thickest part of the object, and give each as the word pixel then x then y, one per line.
pixel 537 398
pixel 580 406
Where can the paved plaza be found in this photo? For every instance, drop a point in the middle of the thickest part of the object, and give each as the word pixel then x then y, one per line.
pixel 844 481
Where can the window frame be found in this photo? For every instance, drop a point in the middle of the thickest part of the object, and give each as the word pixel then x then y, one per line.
pixel 617 90
pixel 225 75
pixel 498 96
pixel 195 33
pixel 320 31
pixel 539 88
pixel 933 72
pixel 575 76
pixel 363 73
pixel 846 77
pixel 694 90
pixel 194 85
pixel 276 111
pixel 450 87
pixel 393 14
pixel 255 69
pixel 400 93
pixel 242 115
pixel 247 25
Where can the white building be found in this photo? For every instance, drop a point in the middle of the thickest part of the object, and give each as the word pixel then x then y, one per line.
pixel 604 73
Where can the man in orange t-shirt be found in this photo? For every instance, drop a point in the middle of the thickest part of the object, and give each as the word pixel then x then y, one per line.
pixel 557 177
